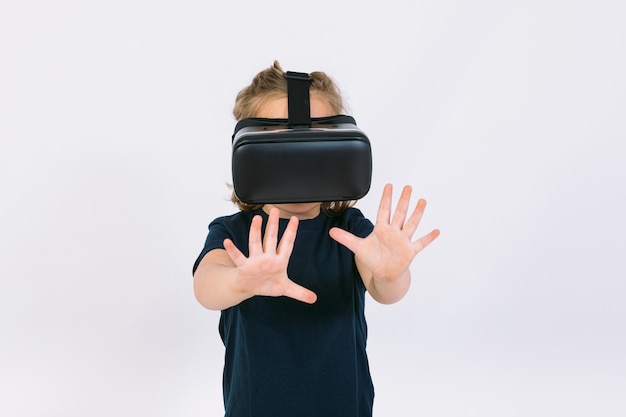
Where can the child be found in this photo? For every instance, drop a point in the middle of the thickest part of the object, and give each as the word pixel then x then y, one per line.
pixel 290 281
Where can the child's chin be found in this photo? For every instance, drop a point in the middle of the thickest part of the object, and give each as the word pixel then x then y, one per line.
pixel 311 209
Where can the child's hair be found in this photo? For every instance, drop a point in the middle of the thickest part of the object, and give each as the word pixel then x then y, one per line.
pixel 270 84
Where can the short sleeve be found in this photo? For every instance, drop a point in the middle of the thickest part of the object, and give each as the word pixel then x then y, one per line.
pixel 358 224
pixel 214 240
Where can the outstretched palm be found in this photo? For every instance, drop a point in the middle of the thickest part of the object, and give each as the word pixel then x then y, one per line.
pixel 264 270
pixel 389 250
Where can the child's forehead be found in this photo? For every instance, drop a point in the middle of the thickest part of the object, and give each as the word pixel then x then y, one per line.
pixel 277 107
pixel 273 108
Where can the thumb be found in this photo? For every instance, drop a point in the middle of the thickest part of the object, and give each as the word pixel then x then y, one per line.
pixel 235 254
pixel 346 238
pixel 300 293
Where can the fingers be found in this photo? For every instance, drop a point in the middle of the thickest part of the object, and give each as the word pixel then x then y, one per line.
pixel 255 244
pixel 269 241
pixel 403 207
pixel 384 208
pixel 271 232
pixel 400 214
pixel 289 237
pixel 425 240
pixel 411 225
pixel 398 220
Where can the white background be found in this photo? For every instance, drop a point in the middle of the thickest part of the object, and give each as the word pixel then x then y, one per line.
pixel 508 117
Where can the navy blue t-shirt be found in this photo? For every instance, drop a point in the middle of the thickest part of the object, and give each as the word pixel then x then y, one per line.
pixel 291 359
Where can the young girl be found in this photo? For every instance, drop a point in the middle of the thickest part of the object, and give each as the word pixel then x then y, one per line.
pixel 290 281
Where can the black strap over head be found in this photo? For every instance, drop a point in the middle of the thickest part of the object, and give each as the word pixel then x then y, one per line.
pixel 298 98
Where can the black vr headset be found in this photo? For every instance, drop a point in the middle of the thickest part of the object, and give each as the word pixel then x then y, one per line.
pixel 300 159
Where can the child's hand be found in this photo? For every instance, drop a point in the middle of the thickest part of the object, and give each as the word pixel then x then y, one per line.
pixel 264 271
pixel 388 251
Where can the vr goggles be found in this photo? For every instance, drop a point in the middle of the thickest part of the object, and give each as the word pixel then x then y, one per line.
pixel 300 159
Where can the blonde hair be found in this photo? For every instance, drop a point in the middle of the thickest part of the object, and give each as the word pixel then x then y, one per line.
pixel 270 84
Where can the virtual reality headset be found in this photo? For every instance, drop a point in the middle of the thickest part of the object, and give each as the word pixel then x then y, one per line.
pixel 300 159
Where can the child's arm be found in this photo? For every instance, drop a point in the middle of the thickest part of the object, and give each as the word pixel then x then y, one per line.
pixel 384 257
pixel 226 277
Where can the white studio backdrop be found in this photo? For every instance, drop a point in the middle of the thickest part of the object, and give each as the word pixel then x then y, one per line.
pixel 508 117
